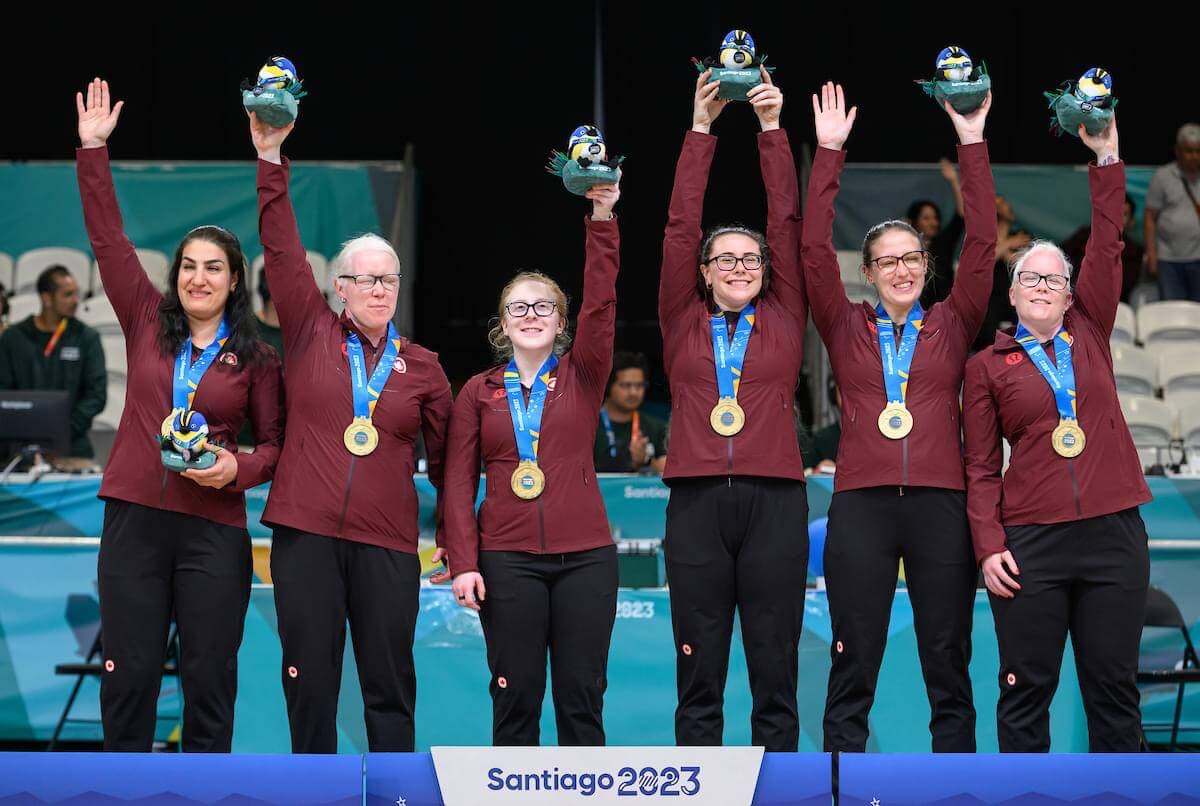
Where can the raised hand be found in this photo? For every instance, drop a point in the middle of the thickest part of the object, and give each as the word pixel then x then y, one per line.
pixel 833 122
pixel 767 100
pixel 706 106
pixel 97 117
pixel 1104 144
pixel 267 139
pixel 969 126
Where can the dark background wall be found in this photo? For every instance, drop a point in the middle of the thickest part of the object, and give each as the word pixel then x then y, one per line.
pixel 484 94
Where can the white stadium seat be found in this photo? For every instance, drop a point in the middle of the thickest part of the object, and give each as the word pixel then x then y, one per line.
pixel 22 305
pixel 1126 326
pixel 1179 368
pixel 1152 423
pixel 6 272
pixel 110 417
pixel 35 261
pixel 1187 404
pixel 1133 369
pixel 155 263
pixel 1169 321
pixel 98 313
pixel 115 359
pixel 320 269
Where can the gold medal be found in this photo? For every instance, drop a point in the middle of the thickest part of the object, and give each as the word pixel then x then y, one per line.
pixel 895 421
pixel 361 437
pixel 1068 438
pixel 727 417
pixel 528 481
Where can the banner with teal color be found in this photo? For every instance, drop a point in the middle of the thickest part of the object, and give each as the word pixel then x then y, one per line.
pixel 39 204
pixel 1049 201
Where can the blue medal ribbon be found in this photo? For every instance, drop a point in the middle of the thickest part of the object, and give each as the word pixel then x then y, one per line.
pixel 366 392
pixel 609 432
pixel 896 362
pixel 1061 377
pixel 729 356
pixel 188 373
pixel 527 421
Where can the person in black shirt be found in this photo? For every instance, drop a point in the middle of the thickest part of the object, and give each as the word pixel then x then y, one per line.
pixel 627 440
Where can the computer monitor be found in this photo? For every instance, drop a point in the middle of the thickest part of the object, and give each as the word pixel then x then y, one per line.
pixel 35 417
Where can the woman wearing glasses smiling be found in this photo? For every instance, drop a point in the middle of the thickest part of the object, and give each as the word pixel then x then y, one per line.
pixel 899 492
pixel 538 561
pixel 1059 536
pixel 732 314
pixel 343 505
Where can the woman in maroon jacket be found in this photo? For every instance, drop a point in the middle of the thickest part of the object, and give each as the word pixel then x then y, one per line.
pixel 175 542
pixel 898 495
pixel 539 563
pixel 344 506
pixel 1059 536
pixel 732 312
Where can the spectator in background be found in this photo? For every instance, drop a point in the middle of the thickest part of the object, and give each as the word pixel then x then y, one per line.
pixel 54 350
pixel 1131 258
pixel 269 332
pixel 629 441
pixel 822 454
pixel 1172 225
pixel 1009 241
pixel 268 319
pixel 941 242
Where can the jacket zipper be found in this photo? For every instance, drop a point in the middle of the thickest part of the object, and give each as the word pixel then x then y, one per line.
pixel 729 463
pixel 346 497
pixel 1075 487
pixel 162 492
pixel 903 464
pixel 542 523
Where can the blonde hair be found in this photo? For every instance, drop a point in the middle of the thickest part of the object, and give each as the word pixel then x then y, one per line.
pixel 1018 259
pixel 342 262
pixel 501 344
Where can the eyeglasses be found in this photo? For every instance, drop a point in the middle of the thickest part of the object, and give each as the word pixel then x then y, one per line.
pixel 631 386
pixel 543 307
pixel 1030 279
pixel 366 282
pixel 728 262
pixel 912 261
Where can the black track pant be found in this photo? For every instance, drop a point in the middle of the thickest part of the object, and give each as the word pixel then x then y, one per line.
pixel 155 563
pixel 320 583
pixel 869 531
pixel 561 603
pixel 1088 577
pixel 739 543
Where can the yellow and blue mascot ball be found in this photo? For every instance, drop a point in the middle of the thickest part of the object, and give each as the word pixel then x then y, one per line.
pixel 275 95
pixel 585 163
pixel 1089 101
pixel 959 80
pixel 736 65
pixel 185 444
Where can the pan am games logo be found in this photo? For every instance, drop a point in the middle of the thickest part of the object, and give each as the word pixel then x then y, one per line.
pixel 647 781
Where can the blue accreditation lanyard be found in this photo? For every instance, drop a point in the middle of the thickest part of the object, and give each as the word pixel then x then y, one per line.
pixel 608 430
pixel 1061 377
pixel 527 421
pixel 897 362
pixel 366 392
pixel 188 373
pixel 729 356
